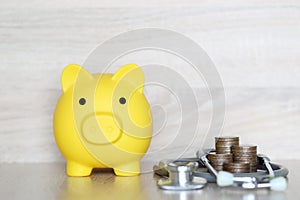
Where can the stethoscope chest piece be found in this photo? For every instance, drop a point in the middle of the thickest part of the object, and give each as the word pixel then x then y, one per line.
pixel 181 177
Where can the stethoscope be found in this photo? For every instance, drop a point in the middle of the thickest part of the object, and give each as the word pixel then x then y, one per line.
pixel 191 174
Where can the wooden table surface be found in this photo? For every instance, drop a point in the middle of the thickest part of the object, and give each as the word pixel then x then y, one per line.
pixel 49 181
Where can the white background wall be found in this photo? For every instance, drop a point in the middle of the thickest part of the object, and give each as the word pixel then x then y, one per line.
pixel 254 45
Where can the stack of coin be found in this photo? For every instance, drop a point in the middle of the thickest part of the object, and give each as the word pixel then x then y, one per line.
pixel 245 153
pixel 217 160
pixel 237 167
pixel 224 144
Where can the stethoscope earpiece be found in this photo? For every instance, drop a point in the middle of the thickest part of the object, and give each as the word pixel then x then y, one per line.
pixel 278 184
pixel 224 179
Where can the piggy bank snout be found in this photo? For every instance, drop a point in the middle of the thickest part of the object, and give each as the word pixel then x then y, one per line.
pixel 109 124
pixel 101 128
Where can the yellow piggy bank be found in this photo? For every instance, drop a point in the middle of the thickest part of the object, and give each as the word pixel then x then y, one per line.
pixel 103 120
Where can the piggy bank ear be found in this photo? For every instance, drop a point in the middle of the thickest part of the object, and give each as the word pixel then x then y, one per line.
pixel 131 73
pixel 70 74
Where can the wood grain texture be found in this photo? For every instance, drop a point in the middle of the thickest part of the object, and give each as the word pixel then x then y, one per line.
pixel 254 45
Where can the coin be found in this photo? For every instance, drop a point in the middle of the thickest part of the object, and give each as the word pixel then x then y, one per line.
pixel 237 167
pixel 245 153
pixel 218 167
pixel 223 151
pixel 227 138
pixel 217 160
pixel 244 148
pixel 219 156
pixel 237 170
pixel 245 158
pixel 223 144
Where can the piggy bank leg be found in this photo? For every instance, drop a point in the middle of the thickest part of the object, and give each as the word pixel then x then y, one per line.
pixel 76 169
pixel 130 169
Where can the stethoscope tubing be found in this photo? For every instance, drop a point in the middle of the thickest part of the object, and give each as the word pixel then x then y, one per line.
pixel 279 171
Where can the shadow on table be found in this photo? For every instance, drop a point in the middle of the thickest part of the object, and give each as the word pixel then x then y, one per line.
pixel 103 184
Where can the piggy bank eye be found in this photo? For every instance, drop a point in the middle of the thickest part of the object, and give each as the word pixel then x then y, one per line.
pixel 122 100
pixel 82 101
